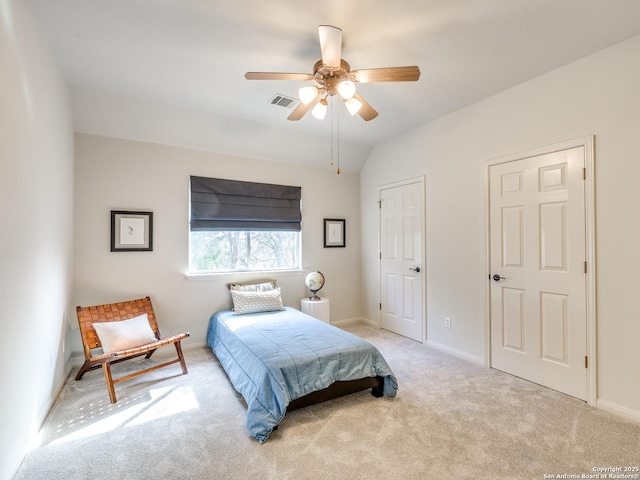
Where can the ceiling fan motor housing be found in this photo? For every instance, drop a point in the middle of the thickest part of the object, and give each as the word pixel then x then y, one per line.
pixel 328 78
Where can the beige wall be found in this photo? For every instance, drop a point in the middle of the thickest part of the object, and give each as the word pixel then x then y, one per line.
pixel 36 232
pixel 116 174
pixel 594 96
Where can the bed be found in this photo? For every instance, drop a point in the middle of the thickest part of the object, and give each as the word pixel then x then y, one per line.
pixel 284 359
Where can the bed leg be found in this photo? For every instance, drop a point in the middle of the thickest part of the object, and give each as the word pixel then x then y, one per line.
pixel 378 390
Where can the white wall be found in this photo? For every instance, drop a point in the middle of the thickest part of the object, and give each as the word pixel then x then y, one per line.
pixel 123 116
pixel 597 95
pixel 117 174
pixel 36 232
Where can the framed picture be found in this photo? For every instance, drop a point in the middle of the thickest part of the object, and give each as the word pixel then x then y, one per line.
pixel 334 233
pixel 131 231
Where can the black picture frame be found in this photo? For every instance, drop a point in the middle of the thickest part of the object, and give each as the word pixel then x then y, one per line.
pixel 334 233
pixel 131 231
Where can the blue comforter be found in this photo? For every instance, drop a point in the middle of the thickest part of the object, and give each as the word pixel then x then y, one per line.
pixel 273 358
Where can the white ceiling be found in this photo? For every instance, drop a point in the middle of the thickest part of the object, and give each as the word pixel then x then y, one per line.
pixel 194 53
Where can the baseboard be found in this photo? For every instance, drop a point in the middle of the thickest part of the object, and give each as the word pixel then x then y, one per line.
pixel 76 359
pixel 194 346
pixel 618 410
pixel 605 405
pixel 353 321
pixel 33 436
pixel 456 353
pixel 369 323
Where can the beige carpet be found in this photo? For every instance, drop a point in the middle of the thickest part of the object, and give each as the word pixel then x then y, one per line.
pixel 451 420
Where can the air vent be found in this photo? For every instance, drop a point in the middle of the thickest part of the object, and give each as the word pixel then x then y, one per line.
pixel 284 101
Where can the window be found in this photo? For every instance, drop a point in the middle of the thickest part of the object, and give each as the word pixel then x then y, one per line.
pixel 228 251
pixel 243 226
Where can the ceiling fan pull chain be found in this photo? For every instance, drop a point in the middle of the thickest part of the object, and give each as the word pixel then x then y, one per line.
pixel 338 137
pixel 331 125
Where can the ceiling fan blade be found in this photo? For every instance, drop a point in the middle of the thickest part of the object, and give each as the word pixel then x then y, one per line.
pixel 330 45
pixel 277 76
pixel 302 109
pixel 367 112
pixel 389 74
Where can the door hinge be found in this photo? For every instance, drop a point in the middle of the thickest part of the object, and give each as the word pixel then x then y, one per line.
pixel 380 306
pixel 380 255
pixel 585 267
pixel 586 362
pixel 584 173
pixel 379 203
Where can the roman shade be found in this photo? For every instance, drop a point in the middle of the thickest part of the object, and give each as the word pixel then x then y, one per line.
pixel 220 204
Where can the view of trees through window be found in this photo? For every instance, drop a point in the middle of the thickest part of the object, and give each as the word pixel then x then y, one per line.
pixel 228 251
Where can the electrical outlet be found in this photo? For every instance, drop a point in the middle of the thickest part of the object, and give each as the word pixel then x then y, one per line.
pixel 447 322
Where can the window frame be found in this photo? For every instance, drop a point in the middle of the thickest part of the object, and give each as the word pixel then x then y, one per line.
pixel 225 205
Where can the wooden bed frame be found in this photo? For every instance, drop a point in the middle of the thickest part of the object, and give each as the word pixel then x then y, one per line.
pixel 263 417
pixel 339 389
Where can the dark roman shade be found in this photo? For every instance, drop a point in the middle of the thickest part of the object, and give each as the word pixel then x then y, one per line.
pixel 219 204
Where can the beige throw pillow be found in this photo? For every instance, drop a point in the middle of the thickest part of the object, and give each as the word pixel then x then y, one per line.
pixel 124 334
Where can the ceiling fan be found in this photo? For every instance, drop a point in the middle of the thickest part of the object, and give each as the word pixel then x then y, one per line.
pixel 333 75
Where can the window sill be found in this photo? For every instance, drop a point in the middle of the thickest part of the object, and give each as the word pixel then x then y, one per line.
pixel 239 276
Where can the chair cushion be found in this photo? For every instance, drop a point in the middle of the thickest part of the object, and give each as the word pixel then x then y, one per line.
pixel 123 334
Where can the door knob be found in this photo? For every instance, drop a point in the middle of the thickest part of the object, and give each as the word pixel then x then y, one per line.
pixel 417 269
pixel 497 277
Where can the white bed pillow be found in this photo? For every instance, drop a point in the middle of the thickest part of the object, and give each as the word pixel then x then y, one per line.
pixel 123 334
pixel 253 302
pixel 253 287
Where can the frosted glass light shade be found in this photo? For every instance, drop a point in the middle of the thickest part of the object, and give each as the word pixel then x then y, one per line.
pixel 353 106
pixel 307 94
pixel 347 89
pixel 320 110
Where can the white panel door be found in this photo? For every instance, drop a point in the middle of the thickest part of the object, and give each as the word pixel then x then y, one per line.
pixel 401 269
pixel 538 282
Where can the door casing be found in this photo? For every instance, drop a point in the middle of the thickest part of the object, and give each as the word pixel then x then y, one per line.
pixel 588 144
pixel 420 180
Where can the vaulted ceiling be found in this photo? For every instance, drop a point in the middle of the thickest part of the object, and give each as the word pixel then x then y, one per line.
pixel 194 53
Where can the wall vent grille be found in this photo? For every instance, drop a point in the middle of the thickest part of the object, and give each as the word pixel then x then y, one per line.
pixel 284 101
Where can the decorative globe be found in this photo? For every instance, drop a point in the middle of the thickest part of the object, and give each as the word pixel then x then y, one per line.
pixel 314 282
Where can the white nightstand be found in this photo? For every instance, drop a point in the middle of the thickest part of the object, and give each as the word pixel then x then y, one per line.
pixel 319 309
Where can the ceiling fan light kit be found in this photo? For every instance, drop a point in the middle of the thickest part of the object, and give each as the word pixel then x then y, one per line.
pixel 307 94
pixel 353 106
pixel 333 76
pixel 347 89
pixel 320 110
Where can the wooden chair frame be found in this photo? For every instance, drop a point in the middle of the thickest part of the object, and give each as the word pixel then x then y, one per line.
pixel 114 312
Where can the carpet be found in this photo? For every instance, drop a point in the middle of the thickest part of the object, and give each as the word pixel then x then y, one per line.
pixel 450 419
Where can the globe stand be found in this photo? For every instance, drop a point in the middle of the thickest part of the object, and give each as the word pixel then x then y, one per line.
pixel 314 282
